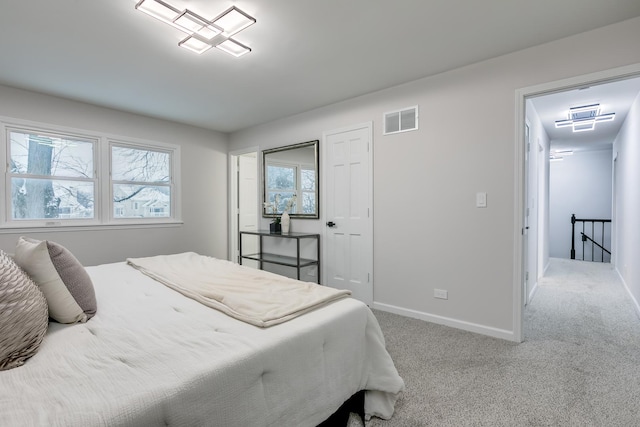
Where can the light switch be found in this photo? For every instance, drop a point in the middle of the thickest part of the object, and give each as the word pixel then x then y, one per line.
pixel 481 200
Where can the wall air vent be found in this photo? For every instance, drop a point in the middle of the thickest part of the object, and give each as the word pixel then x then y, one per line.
pixel 401 120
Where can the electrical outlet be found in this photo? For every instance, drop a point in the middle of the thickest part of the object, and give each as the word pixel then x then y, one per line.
pixel 440 293
pixel 312 272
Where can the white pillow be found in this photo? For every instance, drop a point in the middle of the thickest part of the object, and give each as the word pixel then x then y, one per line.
pixel 23 315
pixel 63 280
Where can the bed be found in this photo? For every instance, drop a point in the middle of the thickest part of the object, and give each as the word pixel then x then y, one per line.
pixel 152 356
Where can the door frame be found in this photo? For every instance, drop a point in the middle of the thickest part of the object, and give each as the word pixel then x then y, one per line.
pixel 323 199
pixel 232 197
pixel 521 95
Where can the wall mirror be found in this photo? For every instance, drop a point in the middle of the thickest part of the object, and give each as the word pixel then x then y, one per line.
pixel 290 180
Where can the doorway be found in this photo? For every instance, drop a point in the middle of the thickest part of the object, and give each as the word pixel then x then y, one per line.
pixel 528 185
pixel 243 197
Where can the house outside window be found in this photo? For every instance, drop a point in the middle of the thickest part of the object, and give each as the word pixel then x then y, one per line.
pixel 140 176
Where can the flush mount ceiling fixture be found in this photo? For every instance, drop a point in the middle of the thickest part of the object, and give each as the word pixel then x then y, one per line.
pixel 584 118
pixel 203 34
pixel 558 155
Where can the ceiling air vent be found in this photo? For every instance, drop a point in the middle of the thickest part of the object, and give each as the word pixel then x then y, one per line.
pixel 401 120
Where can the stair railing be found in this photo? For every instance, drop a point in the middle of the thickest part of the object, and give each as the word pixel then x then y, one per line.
pixel 586 238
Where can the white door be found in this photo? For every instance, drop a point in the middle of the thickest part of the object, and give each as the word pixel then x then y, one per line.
pixel 525 231
pixel 247 192
pixel 243 201
pixel 347 206
pixel 248 203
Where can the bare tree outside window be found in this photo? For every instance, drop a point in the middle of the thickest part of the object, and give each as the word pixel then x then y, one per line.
pixel 66 178
pixel 51 176
pixel 141 182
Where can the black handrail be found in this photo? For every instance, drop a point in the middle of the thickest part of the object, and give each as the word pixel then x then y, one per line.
pixel 585 237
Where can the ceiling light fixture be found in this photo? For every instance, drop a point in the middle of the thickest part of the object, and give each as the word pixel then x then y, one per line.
pixel 202 33
pixel 558 155
pixel 561 152
pixel 584 118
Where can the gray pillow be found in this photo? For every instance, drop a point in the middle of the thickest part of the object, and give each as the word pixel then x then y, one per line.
pixel 24 318
pixel 63 280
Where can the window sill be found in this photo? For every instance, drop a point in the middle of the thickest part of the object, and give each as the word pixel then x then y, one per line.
pixel 97 227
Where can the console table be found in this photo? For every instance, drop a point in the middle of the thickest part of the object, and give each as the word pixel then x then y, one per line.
pixel 289 261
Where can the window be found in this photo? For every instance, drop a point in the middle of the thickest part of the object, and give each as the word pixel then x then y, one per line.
pixel 140 177
pixel 56 177
pixel 51 176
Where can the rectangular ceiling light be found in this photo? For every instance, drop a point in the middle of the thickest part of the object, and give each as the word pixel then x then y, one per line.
pixel 194 44
pixel 605 117
pixel 192 23
pixel 159 10
pixel 584 118
pixel 203 34
pixel 584 125
pixel 233 47
pixel 233 20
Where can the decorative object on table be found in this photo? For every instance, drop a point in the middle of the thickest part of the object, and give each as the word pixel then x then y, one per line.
pixel 275 226
pixel 286 220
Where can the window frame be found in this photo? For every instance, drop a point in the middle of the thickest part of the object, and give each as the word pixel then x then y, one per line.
pixel 299 200
pixel 113 142
pixel 104 215
pixel 298 190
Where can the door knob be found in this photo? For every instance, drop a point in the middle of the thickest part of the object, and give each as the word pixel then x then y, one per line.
pixel 331 224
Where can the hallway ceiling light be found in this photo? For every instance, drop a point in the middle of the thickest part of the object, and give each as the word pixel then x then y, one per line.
pixel 202 33
pixel 558 155
pixel 561 153
pixel 584 118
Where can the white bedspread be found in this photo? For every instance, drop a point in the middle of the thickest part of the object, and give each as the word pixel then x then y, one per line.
pixel 253 296
pixel 151 357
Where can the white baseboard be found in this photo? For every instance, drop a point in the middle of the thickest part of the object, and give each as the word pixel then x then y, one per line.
pixel 447 321
pixel 633 299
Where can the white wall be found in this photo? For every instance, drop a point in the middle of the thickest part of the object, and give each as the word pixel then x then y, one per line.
pixel 627 209
pixel 580 185
pixel 428 232
pixel 204 181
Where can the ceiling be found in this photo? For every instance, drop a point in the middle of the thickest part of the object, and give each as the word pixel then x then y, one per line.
pixel 306 53
pixel 613 97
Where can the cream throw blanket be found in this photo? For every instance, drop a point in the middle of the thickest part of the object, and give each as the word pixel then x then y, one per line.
pixel 253 296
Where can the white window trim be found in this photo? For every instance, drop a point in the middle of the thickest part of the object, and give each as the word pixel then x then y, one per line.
pixel 103 215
